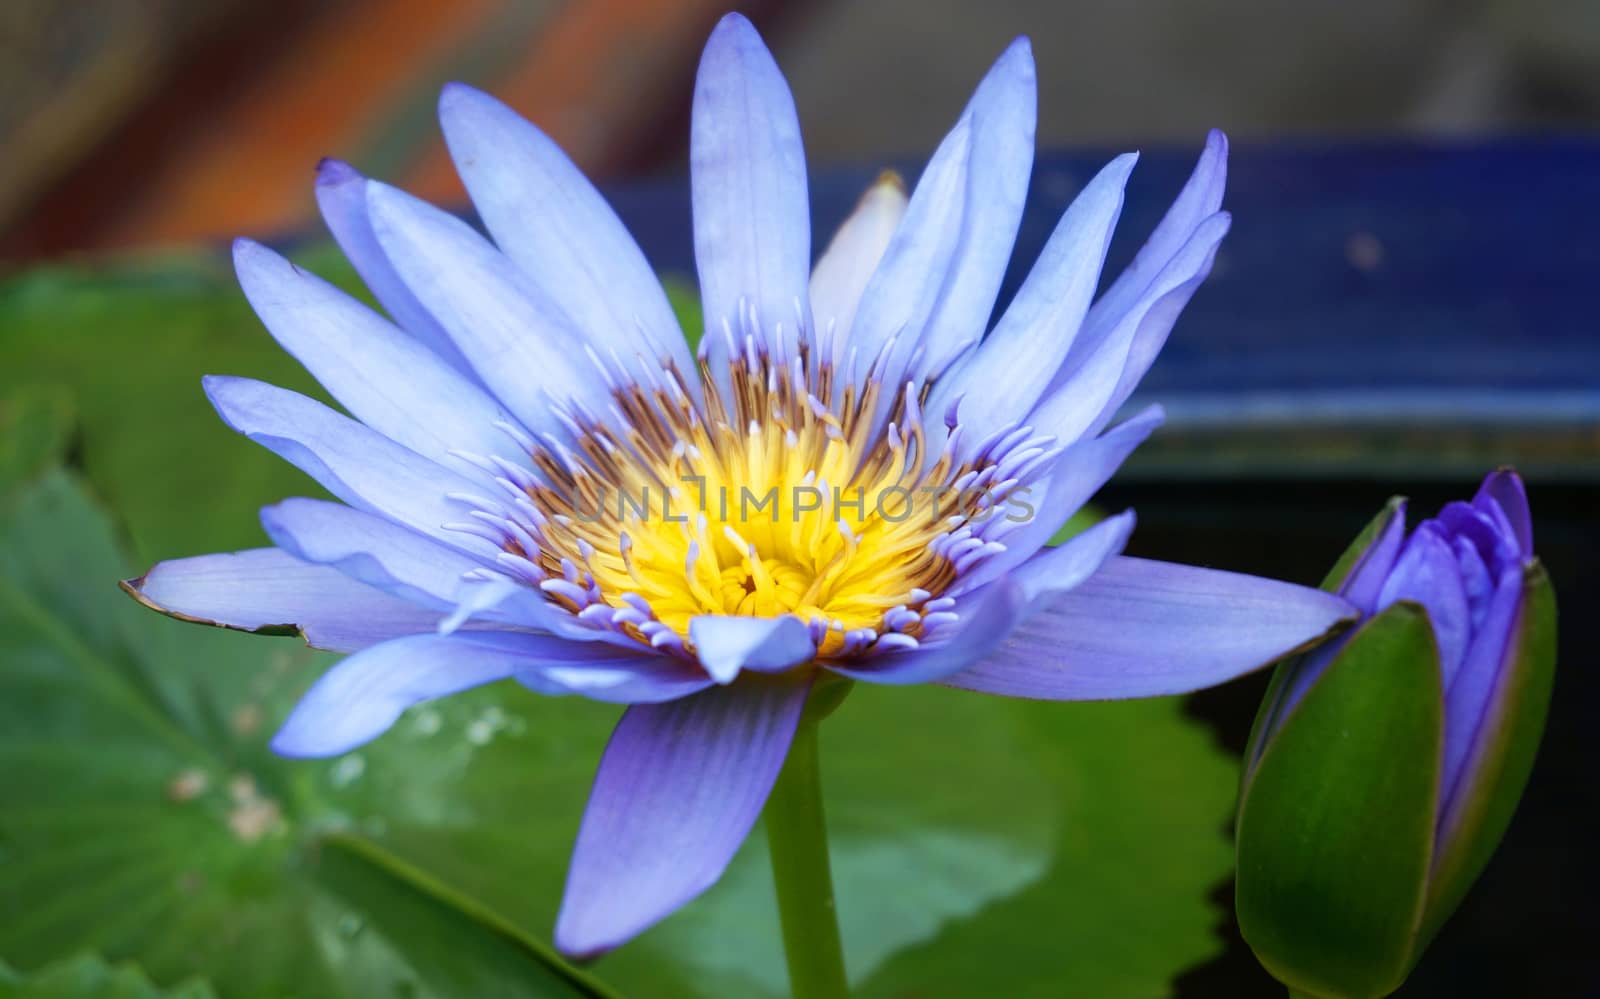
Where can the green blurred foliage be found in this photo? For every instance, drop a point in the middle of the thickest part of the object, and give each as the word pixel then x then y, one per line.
pixel 88 975
pixel 141 815
pixel 981 845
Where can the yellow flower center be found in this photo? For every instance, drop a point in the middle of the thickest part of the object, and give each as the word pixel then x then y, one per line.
pixel 794 503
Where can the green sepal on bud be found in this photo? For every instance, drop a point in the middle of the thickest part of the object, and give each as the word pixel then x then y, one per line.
pixel 1351 851
pixel 1335 831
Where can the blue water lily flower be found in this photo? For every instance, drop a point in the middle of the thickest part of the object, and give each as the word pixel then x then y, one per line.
pixel 539 482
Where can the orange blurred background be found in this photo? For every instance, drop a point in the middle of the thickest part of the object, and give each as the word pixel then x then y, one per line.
pixel 179 122
pixel 128 123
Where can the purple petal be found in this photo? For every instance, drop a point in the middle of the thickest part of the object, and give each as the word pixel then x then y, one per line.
pixel 939 277
pixel 631 673
pixel 1200 199
pixel 1146 629
pixel 1427 573
pixel 727 645
pixel 1078 474
pixel 392 558
pixel 852 257
pixel 1057 570
pixel 1032 338
pixel 264 589
pixel 1476 579
pixel 630 683
pixel 747 169
pixel 1362 587
pixel 506 602
pixel 342 196
pixel 1503 490
pixel 520 344
pixel 1364 584
pixel 1485 528
pixel 1087 465
pixel 1100 372
pixel 360 466
pixel 1126 328
pixel 392 383
pixel 359 698
pixel 1468 694
pixel 1167 303
pixel 985 619
pixel 679 787
pixel 546 216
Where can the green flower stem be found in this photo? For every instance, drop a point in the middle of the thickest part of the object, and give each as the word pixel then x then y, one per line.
pixel 798 837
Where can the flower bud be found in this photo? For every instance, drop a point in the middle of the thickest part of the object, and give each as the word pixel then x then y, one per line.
pixel 1384 767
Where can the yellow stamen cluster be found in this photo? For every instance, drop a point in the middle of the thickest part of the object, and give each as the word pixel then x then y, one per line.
pixel 794 503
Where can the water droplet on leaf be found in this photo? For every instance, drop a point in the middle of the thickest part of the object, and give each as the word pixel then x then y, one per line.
pixel 348 770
